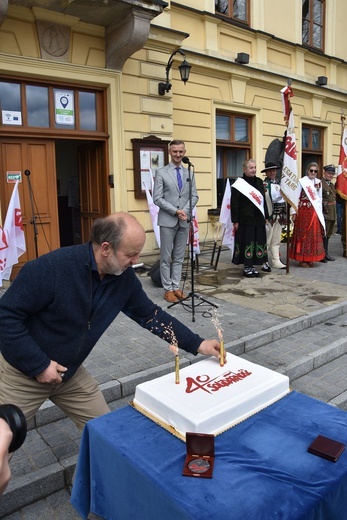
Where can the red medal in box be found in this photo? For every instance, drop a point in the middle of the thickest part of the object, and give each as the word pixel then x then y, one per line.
pixel 200 455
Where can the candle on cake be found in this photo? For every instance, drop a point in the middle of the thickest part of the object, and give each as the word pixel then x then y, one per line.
pixel 174 349
pixel 217 324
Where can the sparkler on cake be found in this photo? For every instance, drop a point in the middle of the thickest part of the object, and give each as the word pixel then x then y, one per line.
pixel 217 324
pixel 174 349
pixel 169 333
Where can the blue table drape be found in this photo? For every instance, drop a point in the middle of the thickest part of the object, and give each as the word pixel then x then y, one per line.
pixel 131 468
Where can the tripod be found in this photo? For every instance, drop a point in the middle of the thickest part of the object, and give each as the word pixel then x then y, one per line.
pixel 192 295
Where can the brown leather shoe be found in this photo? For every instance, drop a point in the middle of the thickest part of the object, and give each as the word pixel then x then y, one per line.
pixel 180 294
pixel 170 297
pixel 303 264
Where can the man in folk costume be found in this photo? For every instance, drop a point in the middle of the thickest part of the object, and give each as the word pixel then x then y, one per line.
pixel 277 215
pixel 249 215
pixel 329 208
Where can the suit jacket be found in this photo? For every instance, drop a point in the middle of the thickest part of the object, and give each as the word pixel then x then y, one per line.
pixel 168 198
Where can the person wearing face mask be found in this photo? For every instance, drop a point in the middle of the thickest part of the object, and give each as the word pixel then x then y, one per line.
pixel 60 304
pixel 309 225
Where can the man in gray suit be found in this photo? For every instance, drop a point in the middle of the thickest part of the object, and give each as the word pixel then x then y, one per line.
pixel 171 194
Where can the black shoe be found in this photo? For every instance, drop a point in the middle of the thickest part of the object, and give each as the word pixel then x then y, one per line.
pixel 329 258
pixel 248 272
pixel 255 272
pixel 324 261
pixel 266 268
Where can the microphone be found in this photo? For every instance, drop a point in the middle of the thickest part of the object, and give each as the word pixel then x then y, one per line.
pixel 27 173
pixel 186 160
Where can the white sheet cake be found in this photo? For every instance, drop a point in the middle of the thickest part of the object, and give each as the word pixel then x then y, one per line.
pixel 210 398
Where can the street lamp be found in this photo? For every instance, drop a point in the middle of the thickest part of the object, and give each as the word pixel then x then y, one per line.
pixel 184 69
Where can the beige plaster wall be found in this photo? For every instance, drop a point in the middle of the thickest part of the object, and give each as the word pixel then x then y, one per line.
pixel 135 109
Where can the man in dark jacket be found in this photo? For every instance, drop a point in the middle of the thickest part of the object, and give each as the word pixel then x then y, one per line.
pixel 249 215
pixel 60 304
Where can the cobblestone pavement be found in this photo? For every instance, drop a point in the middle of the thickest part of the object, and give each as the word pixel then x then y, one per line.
pixel 262 320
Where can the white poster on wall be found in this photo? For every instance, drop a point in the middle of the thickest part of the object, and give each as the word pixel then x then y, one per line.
pixel 64 109
pixel 10 117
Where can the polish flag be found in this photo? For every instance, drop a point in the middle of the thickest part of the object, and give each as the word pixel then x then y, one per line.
pixel 153 211
pixel 3 248
pixel 12 236
pixel 341 181
pixel 196 239
pixel 225 219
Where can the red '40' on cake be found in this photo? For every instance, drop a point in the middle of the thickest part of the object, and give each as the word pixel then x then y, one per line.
pixel 210 398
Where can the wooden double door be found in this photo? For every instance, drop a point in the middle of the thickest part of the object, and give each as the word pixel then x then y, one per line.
pixel 36 163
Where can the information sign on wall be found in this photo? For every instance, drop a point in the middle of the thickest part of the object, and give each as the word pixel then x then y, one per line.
pixel 64 109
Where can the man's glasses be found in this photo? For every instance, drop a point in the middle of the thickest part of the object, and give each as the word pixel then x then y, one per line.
pixel 314 171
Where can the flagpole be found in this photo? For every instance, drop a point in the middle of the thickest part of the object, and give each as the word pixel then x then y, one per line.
pixel 289 177
pixel 343 118
pixel 286 118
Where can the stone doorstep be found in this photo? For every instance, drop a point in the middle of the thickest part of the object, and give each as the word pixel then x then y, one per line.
pixel 23 491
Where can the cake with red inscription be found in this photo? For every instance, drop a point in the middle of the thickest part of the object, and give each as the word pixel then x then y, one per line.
pixel 210 398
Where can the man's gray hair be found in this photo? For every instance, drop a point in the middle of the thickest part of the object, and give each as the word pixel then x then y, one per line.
pixel 176 142
pixel 109 230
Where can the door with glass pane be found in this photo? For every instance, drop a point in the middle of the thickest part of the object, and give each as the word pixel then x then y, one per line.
pixel 93 191
pixel 37 192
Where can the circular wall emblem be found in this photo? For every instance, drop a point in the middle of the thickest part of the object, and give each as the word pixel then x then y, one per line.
pixel 54 41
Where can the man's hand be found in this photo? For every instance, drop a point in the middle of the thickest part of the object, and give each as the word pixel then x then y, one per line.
pixel 54 373
pixel 5 441
pixel 182 215
pixel 211 347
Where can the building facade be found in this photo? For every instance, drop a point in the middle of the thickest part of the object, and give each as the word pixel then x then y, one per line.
pixel 83 123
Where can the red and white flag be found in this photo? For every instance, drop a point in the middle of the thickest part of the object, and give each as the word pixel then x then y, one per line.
pixel 341 181
pixel 153 211
pixel 196 238
pixel 290 186
pixel 225 219
pixel 12 236
pixel 3 248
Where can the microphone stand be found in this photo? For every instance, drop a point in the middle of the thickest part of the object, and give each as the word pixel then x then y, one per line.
pixel 192 294
pixel 33 219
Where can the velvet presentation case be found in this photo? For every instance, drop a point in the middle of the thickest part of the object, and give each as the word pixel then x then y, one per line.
pixel 326 448
pixel 200 455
